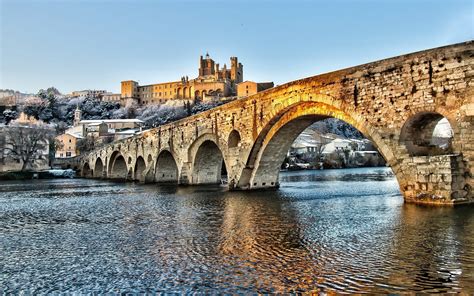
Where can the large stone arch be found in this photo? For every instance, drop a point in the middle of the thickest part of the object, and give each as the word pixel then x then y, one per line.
pixel 275 138
pixel 118 166
pixel 99 168
pixel 207 159
pixel 166 169
pixel 139 170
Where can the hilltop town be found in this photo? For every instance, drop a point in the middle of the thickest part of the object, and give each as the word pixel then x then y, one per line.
pixel 78 122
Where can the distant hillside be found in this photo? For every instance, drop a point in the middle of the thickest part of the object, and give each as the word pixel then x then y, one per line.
pixel 337 127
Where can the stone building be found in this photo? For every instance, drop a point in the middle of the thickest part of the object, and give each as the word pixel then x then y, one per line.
pixel 88 93
pixel 111 97
pixel 248 88
pixel 212 81
pixel 97 130
pixel 26 120
pixel 68 147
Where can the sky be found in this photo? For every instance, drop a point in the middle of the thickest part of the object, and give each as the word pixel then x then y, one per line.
pixel 85 44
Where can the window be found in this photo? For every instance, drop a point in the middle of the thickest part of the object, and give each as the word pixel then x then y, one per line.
pixel 68 154
pixel 70 141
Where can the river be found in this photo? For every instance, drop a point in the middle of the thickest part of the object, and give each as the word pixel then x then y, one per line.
pixel 334 230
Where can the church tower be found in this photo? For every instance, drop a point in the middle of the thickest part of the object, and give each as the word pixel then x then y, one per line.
pixel 77 116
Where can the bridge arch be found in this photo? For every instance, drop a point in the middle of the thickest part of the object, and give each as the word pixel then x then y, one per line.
pixel 234 139
pixel 99 168
pixel 427 133
pixel 274 140
pixel 117 166
pixel 86 171
pixel 185 91
pixel 140 167
pixel 208 161
pixel 166 169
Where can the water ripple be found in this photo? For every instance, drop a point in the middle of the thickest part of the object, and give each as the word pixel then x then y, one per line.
pixel 344 231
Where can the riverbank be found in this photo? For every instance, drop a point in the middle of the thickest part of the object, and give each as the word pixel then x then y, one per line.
pixel 49 174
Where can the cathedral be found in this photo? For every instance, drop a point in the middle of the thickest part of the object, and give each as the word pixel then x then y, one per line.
pixel 212 82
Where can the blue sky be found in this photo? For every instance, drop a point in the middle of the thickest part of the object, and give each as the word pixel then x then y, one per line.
pixel 75 45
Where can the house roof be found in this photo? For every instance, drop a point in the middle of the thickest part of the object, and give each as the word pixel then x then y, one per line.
pixel 74 135
pixel 128 131
pixel 91 121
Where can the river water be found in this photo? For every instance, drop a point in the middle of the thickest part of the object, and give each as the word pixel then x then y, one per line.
pixel 334 230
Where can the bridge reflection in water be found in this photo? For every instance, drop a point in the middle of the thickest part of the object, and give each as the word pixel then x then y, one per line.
pixel 349 231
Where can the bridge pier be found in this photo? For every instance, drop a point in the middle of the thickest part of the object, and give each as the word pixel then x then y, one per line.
pixel 435 180
pixel 185 176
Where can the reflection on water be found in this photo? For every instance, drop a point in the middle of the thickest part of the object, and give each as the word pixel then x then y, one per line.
pixel 340 230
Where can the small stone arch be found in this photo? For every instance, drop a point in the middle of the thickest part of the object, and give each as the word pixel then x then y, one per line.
pixel 207 165
pixel 192 149
pixel 419 135
pixel 185 90
pixel 117 166
pixel 234 139
pixel 99 168
pixel 166 169
pixel 86 171
pixel 139 170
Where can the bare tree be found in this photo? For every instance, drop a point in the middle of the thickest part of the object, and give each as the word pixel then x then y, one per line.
pixel 87 144
pixel 26 144
pixel 319 149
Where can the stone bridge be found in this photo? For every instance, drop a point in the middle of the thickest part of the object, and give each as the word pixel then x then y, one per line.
pixel 394 102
